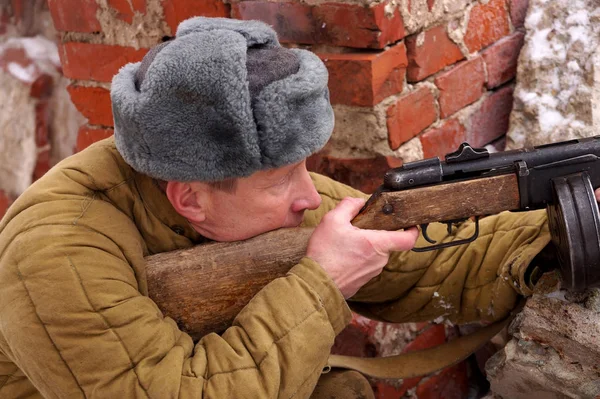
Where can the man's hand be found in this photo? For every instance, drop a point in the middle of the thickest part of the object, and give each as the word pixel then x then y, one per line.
pixel 597 192
pixel 352 256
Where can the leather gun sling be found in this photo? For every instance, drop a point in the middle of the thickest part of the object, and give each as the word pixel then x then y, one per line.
pixel 423 362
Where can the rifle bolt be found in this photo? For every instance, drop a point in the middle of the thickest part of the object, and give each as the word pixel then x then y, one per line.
pixel 388 209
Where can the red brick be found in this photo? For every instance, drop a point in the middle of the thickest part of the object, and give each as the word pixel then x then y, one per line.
pixel 93 103
pixel 430 4
pixel 5 202
pixel 363 174
pixel 18 9
pixel 42 87
pixel 435 53
pixel 366 78
pixel 460 86
pixel 16 55
pixel 487 24
pixel 42 133
pixel 4 19
pixel 491 120
pixel 435 335
pixel 179 10
pixel 440 141
pixel 410 115
pixel 42 164
pixel 518 12
pixel 348 25
pixel 452 383
pixel 126 9
pixel 501 59
pixel 74 15
pixel 81 60
pixel 89 135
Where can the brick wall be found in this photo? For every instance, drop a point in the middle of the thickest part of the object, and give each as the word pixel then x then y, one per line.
pixel 36 114
pixel 409 79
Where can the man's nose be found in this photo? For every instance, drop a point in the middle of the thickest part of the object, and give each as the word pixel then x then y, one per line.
pixel 309 198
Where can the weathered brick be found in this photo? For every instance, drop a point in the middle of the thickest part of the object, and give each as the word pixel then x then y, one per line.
pixel 518 12
pixel 126 9
pixel 452 383
pixel 4 20
pixel 5 202
pixel 19 9
pixel 440 141
pixel 487 24
pixel 339 24
pixel 429 52
pixel 366 78
pixel 88 135
pixel 42 87
pixel 74 15
pixel 179 10
pixel 81 60
pixel 501 59
pixel 42 164
pixel 460 86
pixel 42 134
pixel 93 103
pixel 410 115
pixel 363 174
pixel 491 120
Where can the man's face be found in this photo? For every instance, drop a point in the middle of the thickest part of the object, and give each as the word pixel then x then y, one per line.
pixel 264 201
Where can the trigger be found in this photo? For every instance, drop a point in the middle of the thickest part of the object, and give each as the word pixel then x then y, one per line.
pixel 424 232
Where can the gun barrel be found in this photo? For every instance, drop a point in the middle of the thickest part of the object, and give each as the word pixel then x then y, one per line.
pixel 534 166
pixel 533 156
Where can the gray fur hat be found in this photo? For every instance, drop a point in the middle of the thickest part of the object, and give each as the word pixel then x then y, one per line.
pixel 221 100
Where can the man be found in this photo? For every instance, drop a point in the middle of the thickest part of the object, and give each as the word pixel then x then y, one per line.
pixel 212 130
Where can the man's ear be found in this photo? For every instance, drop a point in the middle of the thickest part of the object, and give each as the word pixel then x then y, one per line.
pixel 186 200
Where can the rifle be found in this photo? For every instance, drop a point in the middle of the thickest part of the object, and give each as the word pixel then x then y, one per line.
pixel 560 177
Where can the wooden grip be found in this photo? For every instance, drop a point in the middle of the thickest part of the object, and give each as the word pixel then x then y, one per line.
pixel 400 209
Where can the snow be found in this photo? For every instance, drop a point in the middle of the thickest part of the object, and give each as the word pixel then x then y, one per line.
pixel 25 74
pixel 555 87
pixel 39 51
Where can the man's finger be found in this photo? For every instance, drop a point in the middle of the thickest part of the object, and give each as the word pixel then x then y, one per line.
pixel 391 241
pixel 597 192
pixel 348 208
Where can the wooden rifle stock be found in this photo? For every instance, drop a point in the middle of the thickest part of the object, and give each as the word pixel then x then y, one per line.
pixel 203 288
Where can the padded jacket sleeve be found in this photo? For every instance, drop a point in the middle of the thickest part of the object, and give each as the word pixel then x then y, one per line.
pixel 480 281
pixel 76 324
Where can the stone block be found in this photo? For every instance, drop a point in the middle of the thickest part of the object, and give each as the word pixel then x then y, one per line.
pixel 555 350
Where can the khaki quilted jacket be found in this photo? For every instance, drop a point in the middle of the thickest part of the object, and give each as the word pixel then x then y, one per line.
pixel 76 322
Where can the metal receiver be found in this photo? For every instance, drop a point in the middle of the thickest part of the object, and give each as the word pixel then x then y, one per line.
pixel 559 176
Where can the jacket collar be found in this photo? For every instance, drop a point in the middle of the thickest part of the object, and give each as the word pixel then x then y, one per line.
pixel 177 232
